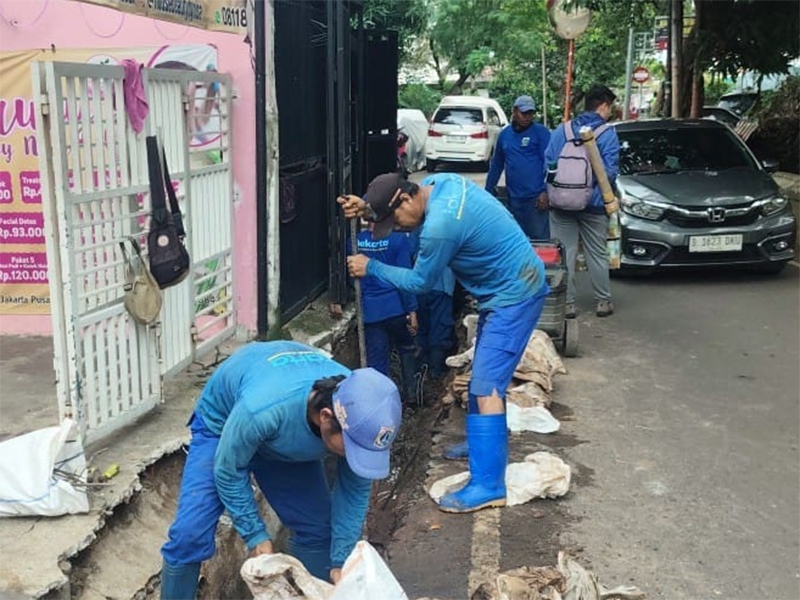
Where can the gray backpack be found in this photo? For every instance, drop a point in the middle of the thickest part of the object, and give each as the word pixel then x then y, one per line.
pixel 570 183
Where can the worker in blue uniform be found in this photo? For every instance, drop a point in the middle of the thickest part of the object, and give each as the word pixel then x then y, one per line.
pixel 520 153
pixel 390 315
pixel 274 410
pixel 464 227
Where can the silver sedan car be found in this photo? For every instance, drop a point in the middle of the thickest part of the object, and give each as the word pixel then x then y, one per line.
pixel 692 194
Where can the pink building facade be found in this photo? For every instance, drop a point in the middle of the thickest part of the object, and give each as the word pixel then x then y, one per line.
pixel 65 24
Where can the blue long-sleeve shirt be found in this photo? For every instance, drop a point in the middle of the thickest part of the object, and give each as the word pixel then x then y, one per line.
pixel 447 282
pixel 607 145
pixel 521 155
pixel 256 402
pixel 468 229
pixel 380 300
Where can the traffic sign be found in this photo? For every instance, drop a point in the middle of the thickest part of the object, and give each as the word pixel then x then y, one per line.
pixel 641 75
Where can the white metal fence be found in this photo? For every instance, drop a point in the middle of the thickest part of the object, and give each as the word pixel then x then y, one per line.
pixel 95 193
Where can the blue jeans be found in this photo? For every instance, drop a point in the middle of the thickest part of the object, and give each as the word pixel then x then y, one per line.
pixel 534 222
pixel 502 336
pixel 297 492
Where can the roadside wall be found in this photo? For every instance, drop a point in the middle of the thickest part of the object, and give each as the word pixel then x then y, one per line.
pixel 52 25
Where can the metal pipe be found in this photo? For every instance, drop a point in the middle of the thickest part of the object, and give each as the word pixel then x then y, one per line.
pixel 626 109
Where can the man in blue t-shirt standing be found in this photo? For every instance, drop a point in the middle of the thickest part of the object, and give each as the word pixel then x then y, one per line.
pixel 464 227
pixel 520 153
pixel 390 315
pixel 275 410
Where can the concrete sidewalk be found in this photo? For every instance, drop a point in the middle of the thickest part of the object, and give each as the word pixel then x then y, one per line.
pixel 35 552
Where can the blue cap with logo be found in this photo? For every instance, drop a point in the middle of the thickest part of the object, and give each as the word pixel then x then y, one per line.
pixel 524 104
pixel 368 407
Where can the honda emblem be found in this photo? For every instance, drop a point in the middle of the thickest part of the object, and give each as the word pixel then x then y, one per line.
pixel 716 215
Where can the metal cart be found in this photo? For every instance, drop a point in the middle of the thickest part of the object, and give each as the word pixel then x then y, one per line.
pixel 563 331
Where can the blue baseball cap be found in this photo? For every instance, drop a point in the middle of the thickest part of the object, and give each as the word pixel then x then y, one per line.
pixel 524 104
pixel 367 405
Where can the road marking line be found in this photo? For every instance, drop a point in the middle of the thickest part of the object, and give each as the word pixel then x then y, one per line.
pixel 485 548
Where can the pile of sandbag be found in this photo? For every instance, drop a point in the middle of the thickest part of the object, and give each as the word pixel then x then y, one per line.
pixel 532 383
pixel 566 581
pixel 365 576
pixel 528 394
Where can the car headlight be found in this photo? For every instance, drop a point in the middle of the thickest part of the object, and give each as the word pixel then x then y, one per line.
pixel 772 206
pixel 642 209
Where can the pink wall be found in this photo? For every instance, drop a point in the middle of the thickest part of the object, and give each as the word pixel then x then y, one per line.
pixel 29 24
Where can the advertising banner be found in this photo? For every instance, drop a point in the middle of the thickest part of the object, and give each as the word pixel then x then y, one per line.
pixel 229 16
pixel 24 285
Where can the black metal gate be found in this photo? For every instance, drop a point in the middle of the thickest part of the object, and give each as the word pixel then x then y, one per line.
pixel 337 115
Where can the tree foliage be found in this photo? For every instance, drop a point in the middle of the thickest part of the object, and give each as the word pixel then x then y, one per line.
pixel 409 18
pixel 505 38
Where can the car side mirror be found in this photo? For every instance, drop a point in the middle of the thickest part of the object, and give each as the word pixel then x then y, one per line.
pixel 770 165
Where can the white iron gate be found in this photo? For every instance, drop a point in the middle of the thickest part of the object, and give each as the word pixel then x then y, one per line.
pixel 95 193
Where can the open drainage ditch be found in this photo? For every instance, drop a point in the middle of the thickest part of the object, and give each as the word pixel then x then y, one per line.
pixel 124 561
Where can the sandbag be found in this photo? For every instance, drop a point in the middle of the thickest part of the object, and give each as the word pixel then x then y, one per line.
pixel 540 475
pixel 282 577
pixel 43 473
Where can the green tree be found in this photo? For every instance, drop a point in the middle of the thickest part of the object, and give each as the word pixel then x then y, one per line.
pixel 409 18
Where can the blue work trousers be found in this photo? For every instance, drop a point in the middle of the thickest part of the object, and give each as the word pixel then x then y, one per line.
pixel 502 336
pixel 382 336
pixel 298 492
pixel 534 222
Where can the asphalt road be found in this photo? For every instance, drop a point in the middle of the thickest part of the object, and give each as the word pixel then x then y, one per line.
pixel 681 421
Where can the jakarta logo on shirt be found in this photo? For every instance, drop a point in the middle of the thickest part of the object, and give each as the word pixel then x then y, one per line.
pixel 525 141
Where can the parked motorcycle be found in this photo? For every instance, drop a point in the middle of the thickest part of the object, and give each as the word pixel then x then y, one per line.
pixel 402 157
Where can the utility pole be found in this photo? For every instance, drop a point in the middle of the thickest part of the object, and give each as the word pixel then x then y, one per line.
pixel 626 109
pixel 676 53
pixel 544 89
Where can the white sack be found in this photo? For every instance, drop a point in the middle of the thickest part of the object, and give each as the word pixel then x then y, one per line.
pixel 541 475
pixel 530 418
pixel 364 577
pixel 28 485
pixel 266 576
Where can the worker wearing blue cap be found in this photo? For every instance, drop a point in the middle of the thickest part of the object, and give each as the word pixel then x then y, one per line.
pixel 274 410
pixel 520 153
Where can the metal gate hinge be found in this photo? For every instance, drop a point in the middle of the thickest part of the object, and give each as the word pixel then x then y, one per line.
pixel 45 106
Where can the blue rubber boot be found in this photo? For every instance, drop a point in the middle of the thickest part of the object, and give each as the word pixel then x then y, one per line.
pixel 179 582
pixel 316 560
pixel 460 451
pixel 488 454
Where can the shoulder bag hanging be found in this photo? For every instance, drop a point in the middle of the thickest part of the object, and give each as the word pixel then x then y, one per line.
pixel 142 295
pixel 169 259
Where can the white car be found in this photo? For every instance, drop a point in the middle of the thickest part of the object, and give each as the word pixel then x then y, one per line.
pixel 463 129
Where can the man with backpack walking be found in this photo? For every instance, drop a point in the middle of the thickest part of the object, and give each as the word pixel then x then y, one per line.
pixel 576 204
pixel 520 153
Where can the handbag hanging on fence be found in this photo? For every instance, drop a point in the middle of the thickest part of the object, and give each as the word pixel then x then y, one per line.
pixel 169 259
pixel 142 295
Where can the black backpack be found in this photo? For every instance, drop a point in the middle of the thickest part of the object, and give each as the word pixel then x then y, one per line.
pixel 169 259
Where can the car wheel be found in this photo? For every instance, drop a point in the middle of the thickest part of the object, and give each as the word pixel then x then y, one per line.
pixel 430 165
